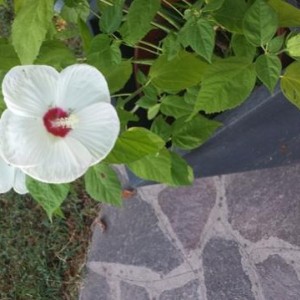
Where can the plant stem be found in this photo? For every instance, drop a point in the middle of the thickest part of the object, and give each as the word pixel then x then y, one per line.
pixel 135 93
pixel 151 45
pixel 106 2
pixel 135 108
pixel 173 7
pixel 142 62
pixel 168 19
pixel 145 49
pixel 187 3
pixel 157 25
pixel 120 95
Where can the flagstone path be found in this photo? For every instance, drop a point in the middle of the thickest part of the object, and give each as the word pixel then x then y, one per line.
pixel 232 237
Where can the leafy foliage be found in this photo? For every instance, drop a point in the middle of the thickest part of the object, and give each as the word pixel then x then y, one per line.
pixel 186 61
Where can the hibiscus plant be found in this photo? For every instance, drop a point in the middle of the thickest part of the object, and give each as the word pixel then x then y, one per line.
pixel 68 112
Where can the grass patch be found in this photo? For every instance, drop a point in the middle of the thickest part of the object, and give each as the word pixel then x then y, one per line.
pixel 41 260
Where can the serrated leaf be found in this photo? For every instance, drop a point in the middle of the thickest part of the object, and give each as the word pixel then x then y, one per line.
pixel 183 71
pixel 56 54
pixel 8 56
pixel 153 111
pixel 290 83
pixel 111 17
pixel 191 134
pixel 171 45
pixel 276 44
pixel 288 15
pixel 231 15
pixel 213 5
pixel 134 144
pixel 181 172
pixel 104 53
pixel 268 69
pixel 103 184
pixel 49 196
pixel 118 75
pixel 138 21
pixel 175 106
pixel 161 128
pixel 200 36
pixel 125 117
pixel 226 84
pixel 260 23
pixel 241 47
pixel 293 46
pixel 30 27
pixel 164 167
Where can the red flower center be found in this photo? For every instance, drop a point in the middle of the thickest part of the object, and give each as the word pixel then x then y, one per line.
pixel 55 121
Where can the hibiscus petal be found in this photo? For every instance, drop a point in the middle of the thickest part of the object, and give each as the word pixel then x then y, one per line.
pixel 67 160
pixel 20 182
pixel 80 86
pixel 6 176
pixel 97 129
pixel 30 90
pixel 24 140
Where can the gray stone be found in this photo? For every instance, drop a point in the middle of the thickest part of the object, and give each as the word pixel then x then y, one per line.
pixel 134 238
pixel 188 209
pixel 133 292
pixel 278 279
pixel 266 203
pixel 95 287
pixel 223 271
pixel 187 292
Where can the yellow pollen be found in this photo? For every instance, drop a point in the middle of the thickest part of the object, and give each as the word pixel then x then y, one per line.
pixel 68 122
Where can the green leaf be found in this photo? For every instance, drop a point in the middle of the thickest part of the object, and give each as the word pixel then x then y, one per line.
pixel 275 44
pixel 231 15
pixel 118 75
pixel 85 35
pixel 290 83
pixel 161 128
pixel 30 27
pixel 181 172
pixel 125 117
pixel 78 10
pixel 164 167
pixel 8 56
pixel 146 102
pixel 104 53
pixel 213 5
pixel 153 111
pixel 241 47
pixel 199 34
pixel 191 134
pixel 134 144
pixel 288 15
pixel 49 196
pixel 171 45
pixel 175 106
pixel 56 54
pixel 260 23
pixel 293 46
pixel 183 71
pixel 226 84
pixel 103 184
pixel 138 22
pixel 111 17
pixel 268 69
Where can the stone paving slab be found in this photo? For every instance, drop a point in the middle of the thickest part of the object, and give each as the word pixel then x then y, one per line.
pixel 232 237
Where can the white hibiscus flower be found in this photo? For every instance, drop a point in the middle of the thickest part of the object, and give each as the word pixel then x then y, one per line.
pixel 57 124
pixel 11 177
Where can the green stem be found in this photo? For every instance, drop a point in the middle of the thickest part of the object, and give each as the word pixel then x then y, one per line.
pixel 151 45
pixel 137 92
pixel 187 3
pixel 120 95
pixel 142 62
pixel 157 25
pixel 173 7
pixel 106 2
pixel 169 20
pixel 135 108
pixel 145 49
